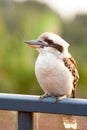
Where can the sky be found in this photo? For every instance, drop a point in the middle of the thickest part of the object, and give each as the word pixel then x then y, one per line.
pixel 66 8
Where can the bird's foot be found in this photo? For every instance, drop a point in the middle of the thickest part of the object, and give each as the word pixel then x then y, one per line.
pixel 57 97
pixel 60 97
pixel 44 96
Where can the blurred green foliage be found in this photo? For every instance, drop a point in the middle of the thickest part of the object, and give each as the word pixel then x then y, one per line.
pixel 20 21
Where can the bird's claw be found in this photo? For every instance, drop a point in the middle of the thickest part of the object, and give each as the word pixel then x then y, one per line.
pixel 60 97
pixel 44 96
pixel 57 97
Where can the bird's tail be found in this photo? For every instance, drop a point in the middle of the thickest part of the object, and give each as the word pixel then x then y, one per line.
pixel 69 121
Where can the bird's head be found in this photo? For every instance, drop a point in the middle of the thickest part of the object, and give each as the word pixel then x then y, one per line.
pixel 52 43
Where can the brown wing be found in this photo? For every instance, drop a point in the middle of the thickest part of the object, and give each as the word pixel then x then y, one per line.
pixel 70 63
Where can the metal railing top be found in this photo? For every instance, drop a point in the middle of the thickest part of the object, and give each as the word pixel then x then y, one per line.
pixel 31 103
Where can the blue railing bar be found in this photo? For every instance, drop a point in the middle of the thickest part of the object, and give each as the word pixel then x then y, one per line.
pixel 25 121
pixel 33 103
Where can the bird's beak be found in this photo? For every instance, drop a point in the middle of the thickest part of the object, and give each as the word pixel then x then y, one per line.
pixel 36 43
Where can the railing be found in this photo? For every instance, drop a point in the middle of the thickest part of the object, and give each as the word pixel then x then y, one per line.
pixel 26 105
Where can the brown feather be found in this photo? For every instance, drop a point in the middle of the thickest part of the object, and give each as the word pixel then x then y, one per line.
pixel 70 63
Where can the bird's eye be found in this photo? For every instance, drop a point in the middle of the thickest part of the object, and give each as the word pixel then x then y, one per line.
pixel 54 45
pixel 50 42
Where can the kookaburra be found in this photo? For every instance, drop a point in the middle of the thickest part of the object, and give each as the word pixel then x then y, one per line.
pixel 55 69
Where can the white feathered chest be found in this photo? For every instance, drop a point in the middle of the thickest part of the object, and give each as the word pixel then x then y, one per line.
pixel 53 76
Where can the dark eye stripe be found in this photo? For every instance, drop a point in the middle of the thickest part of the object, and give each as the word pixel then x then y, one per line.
pixel 58 47
pixel 50 42
pixel 54 45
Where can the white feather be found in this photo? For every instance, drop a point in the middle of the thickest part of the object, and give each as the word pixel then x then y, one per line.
pixel 53 76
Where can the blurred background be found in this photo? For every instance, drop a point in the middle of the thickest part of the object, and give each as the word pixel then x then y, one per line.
pixel 21 20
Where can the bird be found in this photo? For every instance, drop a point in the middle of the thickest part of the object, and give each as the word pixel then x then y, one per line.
pixel 56 70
